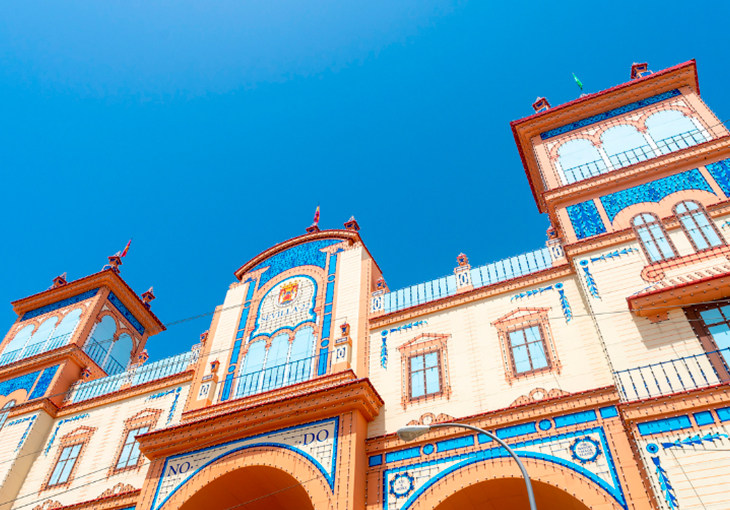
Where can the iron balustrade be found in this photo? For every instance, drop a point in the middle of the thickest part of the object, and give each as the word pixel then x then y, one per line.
pixel 135 376
pixel 631 156
pixel 279 376
pixel 680 141
pixel 585 171
pixel 31 350
pixel 98 352
pixel 673 376
pixel 481 276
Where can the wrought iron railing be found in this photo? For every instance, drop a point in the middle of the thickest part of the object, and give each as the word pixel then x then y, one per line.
pixel 673 376
pixel 31 350
pixel 585 171
pixel 285 374
pixel 631 156
pixel 680 141
pixel 134 376
pixel 481 276
pixel 98 352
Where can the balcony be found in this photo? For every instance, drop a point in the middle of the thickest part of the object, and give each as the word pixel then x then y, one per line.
pixel 674 376
pixel 7 358
pixel 281 375
pixel 135 376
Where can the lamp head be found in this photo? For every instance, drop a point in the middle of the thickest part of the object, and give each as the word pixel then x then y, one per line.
pixel 412 432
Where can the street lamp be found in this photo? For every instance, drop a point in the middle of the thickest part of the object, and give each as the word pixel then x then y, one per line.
pixel 415 431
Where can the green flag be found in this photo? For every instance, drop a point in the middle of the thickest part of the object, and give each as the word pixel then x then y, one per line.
pixel 578 82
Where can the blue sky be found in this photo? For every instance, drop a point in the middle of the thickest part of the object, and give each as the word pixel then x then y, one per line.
pixel 209 131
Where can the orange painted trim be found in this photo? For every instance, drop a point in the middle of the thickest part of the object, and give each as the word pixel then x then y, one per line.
pixel 68 352
pixel 246 420
pixel 350 236
pixel 494 289
pixel 111 502
pixel 689 401
pixel 107 278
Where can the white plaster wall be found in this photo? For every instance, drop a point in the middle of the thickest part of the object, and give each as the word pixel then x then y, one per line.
pixel 225 333
pixel 92 476
pixel 348 293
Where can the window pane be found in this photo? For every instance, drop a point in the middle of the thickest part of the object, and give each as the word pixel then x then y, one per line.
pixel 707 229
pixel 661 241
pixel 416 363
pixel 694 232
pixel 649 245
pixel 517 337
pixel 522 362
pixel 432 359
pixel 537 354
pixel 432 380
pixel 417 389
pixel 533 334
pixel 721 335
pixel 711 316
pixel 124 456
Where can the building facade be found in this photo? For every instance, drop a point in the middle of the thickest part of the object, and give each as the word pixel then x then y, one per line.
pixel 601 359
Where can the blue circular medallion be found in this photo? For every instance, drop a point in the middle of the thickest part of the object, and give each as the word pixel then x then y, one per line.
pixel 652 448
pixel 545 425
pixel 428 449
pixel 585 449
pixel 384 333
pixel 324 343
pixel 558 286
pixel 401 485
pixel 583 263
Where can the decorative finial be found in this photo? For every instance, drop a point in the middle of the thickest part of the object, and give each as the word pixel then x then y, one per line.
pixel 312 228
pixel 204 337
pixel 345 328
pixel 214 366
pixel 552 233
pixel 640 70
pixel 462 260
pixel 351 224
pixel 148 297
pixel 142 357
pixel 114 262
pixel 59 280
pixel 540 105
pixel 86 373
pixel 380 283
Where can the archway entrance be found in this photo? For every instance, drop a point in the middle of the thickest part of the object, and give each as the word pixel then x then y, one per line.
pixel 251 488
pixel 511 493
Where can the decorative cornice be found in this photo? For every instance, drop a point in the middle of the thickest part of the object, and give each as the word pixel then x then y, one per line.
pixel 108 279
pixel 252 417
pixel 472 295
pixel 682 75
pixel 56 356
pixel 676 403
pixel 120 500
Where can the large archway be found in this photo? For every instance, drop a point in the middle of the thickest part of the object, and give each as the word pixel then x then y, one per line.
pixel 251 488
pixel 510 493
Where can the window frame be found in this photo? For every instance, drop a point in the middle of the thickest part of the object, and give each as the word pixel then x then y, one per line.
pixel 545 348
pixel 80 436
pixel 658 222
pixel 421 345
pixel 410 371
pixel 707 341
pixel 691 212
pixel 145 418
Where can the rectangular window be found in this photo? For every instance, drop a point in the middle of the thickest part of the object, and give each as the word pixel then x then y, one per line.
pixel 528 349
pixel 130 450
pixel 65 465
pixel 425 374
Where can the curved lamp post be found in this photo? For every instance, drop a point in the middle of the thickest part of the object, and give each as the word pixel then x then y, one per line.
pixel 415 431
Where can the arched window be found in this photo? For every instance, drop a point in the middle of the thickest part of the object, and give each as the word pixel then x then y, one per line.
pixel 38 340
pixel 276 362
pixel 5 411
pixel 300 361
pixel 12 351
pixel 579 160
pixel 65 330
pixel 653 237
pixel 248 381
pixel 700 230
pixel 101 340
pixel 625 146
pixel 119 355
pixel 672 131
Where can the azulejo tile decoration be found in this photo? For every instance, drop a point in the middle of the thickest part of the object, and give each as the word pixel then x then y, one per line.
pixel 59 304
pixel 126 313
pixel 592 287
pixel 614 254
pixel 653 191
pixel 564 304
pixel 308 254
pixel 695 440
pixel 585 219
pixel 44 381
pixel 609 114
pixel 25 434
pixel 720 171
pixel 58 426
pixel 664 484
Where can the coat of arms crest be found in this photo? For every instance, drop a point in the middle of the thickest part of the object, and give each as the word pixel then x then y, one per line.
pixel 288 293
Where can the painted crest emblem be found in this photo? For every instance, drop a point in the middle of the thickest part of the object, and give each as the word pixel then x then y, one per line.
pixel 288 293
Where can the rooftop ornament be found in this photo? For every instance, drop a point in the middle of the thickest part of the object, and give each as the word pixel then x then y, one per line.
pixel 148 297
pixel 114 262
pixel 462 260
pixel 540 105
pixel 640 70
pixel 351 224
pixel 59 281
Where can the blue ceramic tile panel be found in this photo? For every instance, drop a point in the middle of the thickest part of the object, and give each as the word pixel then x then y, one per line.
pixel 653 191
pixel 575 418
pixel 483 438
pixel 22 382
pixel 308 254
pixel 723 413
pixel 666 425
pixel 608 412
pixel 59 304
pixel 704 418
pixel 720 171
pixel 405 454
pixel 44 381
pixel 375 460
pixel 609 114
pixel 127 314
pixel 453 444
pixel 516 430
pixel 585 219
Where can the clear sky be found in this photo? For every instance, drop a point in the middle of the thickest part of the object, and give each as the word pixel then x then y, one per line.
pixel 209 131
